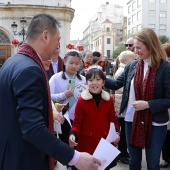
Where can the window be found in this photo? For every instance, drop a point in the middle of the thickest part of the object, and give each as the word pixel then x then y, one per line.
pixel 3 38
pixel 108 41
pixel 108 29
pixel 139 27
pixel 139 2
pixel 108 53
pixel 163 1
pixel 162 14
pixel 134 5
pixel 133 29
pixel 129 9
pixel 119 32
pixel 152 1
pixel 129 21
pixel 139 15
pixel 152 13
pixel 129 32
pixel 162 27
pixel 3 52
pixel 152 26
pixel 134 18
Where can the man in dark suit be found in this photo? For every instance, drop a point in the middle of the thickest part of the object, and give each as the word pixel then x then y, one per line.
pixel 26 122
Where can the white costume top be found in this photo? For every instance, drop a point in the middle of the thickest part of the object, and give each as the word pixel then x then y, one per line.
pixel 58 86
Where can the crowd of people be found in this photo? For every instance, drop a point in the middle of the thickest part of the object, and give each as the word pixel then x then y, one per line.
pixel 134 95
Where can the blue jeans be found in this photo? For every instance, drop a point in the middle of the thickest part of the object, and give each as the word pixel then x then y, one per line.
pixel 152 152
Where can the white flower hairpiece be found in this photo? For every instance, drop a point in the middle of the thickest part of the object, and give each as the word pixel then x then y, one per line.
pixel 94 67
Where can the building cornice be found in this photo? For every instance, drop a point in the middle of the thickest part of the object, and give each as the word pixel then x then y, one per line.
pixel 61 10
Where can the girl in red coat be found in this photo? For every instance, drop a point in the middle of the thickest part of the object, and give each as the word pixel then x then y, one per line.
pixel 93 114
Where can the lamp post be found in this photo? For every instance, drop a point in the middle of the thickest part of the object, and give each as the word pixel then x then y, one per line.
pixel 23 32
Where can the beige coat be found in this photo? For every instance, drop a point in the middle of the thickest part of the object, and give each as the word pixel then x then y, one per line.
pixel 119 92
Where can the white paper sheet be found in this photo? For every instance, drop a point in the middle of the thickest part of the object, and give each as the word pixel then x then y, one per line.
pixel 106 153
pixel 57 125
pixel 112 135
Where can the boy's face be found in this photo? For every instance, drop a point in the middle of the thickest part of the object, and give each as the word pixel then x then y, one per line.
pixel 95 84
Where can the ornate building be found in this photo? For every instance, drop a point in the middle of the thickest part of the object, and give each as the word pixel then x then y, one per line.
pixel 18 10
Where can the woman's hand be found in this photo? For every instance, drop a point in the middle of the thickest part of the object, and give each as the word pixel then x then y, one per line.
pixel 59 117
pixel 72 142
pixel 60 107
pixel 117 140
pixel 140 105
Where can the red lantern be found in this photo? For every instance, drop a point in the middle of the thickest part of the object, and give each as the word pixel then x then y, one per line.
pixel 15 42
pixel 70 46
pixel 80 48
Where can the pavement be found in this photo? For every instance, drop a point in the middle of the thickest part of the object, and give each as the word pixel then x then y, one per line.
pixel 120 166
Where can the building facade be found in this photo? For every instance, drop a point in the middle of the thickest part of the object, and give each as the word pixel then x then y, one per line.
pixel 105 30
pixel 153 14
pixel 14 10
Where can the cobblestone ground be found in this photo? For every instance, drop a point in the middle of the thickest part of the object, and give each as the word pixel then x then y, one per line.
pixel 119 166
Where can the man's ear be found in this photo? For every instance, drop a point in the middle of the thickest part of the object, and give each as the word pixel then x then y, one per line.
pixel 45 35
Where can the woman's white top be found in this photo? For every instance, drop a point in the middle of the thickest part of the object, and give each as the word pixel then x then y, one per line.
pixel 129 111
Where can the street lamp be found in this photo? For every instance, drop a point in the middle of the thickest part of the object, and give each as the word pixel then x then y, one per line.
pixel 23 32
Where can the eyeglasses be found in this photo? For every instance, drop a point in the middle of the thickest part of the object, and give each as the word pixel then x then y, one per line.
pixel 130 45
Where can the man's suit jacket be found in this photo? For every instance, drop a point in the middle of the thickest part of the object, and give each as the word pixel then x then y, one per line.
pixel 25 141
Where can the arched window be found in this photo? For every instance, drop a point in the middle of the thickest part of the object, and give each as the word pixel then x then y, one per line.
pixel 4 38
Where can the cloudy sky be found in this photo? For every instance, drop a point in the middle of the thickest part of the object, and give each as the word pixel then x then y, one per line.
pixel 84 11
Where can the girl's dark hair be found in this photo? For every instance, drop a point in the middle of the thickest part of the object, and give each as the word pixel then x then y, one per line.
pixel 95 72
pixel 73 54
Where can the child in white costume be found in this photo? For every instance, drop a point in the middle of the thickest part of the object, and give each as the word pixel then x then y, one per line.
pixel 62 87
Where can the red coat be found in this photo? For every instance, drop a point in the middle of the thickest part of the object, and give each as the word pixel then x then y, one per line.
pixel 92 123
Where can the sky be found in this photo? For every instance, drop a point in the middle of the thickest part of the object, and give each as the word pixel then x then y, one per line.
pixel 84 11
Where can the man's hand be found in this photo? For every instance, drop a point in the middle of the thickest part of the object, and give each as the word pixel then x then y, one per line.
pixel 87 162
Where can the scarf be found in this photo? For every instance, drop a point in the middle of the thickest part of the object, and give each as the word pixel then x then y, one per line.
pixel 144 90
pixel 26 49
